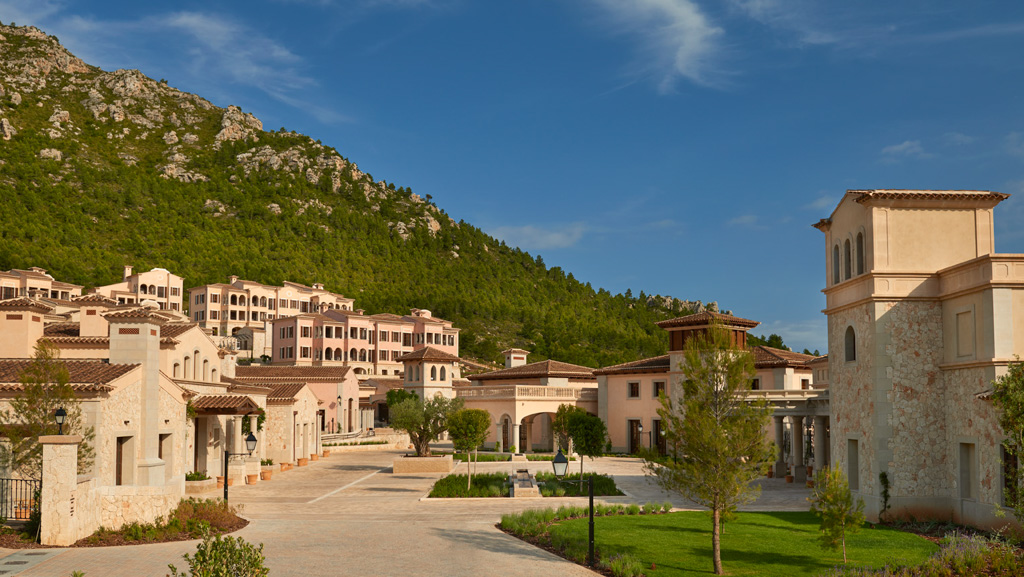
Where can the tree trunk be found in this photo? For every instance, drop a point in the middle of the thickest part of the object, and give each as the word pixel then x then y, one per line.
pixel 716 541
pixel 469 471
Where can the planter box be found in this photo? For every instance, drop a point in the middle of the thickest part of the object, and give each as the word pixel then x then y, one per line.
pixel 403 465
pixel 286 467
pixel 314 457
pixel 302 462
pixel 199 487
pixel 252 479
pixel 327 453
pixel 266 475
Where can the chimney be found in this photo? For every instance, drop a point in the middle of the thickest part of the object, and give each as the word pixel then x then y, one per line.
pixel 233 279
pixel 21 326
pixel 135 339
pixel 127 272
pixel 91 322
pixel 515 357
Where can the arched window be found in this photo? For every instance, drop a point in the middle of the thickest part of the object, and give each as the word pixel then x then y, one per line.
pixel 195 366
pixel 328 355
pixel 443 376
pixel 860 253
pixel 352 355
pixel 188 367
pixel 433 373
pixel 337 354
pixel 241 300
pixel 835 264
pixel 851 345
pixel 213 375
pixel 177 370
pixel 206 370
pixel 263 302
pixel 152 289
pixel 847 272
pixel 234 299
pixel 362 355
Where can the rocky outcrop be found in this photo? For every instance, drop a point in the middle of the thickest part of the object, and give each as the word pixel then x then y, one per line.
pixel 51 154
pixel 236 125
pixel 6 129
pixel 171 137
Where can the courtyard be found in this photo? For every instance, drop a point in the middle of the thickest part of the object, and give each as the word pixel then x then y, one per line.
pixel 348 514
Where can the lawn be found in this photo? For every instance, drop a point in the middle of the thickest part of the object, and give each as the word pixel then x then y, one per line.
pixel 783 544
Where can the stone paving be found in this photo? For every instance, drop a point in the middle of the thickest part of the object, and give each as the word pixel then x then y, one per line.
pixel 349 515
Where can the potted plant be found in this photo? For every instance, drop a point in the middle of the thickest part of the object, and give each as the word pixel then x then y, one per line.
pixel 810 471
pixel 266 469
pixel 286 467
pixel 789 476
pixel 327 453
pixel 301 462
pixel 251 479
pixel 770 472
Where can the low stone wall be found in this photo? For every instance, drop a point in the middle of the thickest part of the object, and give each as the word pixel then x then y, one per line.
pixel 395 441
pixel 200 487
pixel 405 465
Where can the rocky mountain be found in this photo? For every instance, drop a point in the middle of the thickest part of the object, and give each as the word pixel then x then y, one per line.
pixel 100 169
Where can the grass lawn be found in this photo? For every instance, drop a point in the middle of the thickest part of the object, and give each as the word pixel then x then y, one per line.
pixel 784 544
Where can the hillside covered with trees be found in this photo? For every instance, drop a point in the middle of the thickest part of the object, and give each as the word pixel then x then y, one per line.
pixel 101 169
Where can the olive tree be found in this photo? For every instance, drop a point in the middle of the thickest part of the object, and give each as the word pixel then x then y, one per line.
pixel 468 429
pixel 717 431
pixel 424 421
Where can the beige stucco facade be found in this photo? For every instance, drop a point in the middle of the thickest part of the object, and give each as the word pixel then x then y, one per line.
pixel 926 318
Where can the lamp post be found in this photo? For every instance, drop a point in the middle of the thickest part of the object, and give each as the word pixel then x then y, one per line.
pixel 561 464
pixel 60 416
pixel 338 414
pixel 250 443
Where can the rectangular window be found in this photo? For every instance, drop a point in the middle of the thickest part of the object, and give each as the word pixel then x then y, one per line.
pixel 304 306
pixel 283 333
pixel 853 464
pixel 305 352
pixel 295 304
pixel 283 304
pixel 234 315
pixel 214 315
pixel 214 298
pixel 175 291
pixel 755 385
pixel 396 337
pixel 271 303
pixel 406 339
pixel 305 332
pixel 659 389
pixel 384 355
pixel 968 490
pixel 161 292
pixel 291 332
pixel 330 332
pixel 634 390
pixel 291 352
pixel 805 384
pixel 281 353
pixel 362 334
pixel 255 315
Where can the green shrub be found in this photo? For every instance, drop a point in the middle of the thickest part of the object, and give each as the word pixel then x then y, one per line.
pixel 224 557
pixel 650 508
pixel 266 462
pixel 666 507
pixel 196 476
pixel 484 485
pixel 604 485
pixel 633 509
pixel 624 565
pixel 959 555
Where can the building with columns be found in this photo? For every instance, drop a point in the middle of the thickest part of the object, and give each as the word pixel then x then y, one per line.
pixel 923 315
pixel 35 282
pixel 157 285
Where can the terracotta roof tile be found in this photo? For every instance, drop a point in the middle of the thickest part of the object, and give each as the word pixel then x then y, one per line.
pixel 136 313
pixel 23 303
pixel 772 357
pixel 706 318
pixel 95 299
pixel 651 365
pixel 893 194
pixel 173 330
pixel 61 330
pixel 272 373
pixel 547 368
pixel 83 375
pixel 428 353
pixel 232 403
pixel 99 341
pixel 285 392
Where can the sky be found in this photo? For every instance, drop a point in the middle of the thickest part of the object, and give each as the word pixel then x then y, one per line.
pixel 675 147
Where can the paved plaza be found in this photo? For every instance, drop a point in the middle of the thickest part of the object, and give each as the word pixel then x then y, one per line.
pixel 349 515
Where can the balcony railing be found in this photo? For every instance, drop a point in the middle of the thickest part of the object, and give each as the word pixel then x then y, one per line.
pixel 527 393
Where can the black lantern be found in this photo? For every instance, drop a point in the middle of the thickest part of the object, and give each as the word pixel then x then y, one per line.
pixel 250 442
pixel 60 416
pixel 560 464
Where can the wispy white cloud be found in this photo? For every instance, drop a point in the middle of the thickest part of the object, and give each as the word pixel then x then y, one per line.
pixel 823 202
pixel 908 149
pixel 957 139
pixel 676 40
pixel 530 237
pixel 744 220
pixel 797 17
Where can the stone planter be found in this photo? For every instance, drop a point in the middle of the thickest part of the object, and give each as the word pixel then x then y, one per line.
pixel 199 487
pixel 301 462
pixel 327 453
pixel 789 478
pixel 286 467
pixel 314 457
pixel 252 479
pixel 412 464
pixel 266 474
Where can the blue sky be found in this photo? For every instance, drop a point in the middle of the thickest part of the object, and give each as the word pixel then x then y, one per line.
pixel 677 147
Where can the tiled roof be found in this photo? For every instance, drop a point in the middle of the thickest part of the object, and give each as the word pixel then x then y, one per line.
pixel 285 392
pixel 60 302
pixel 232 403
pixel 542 369
pixel 651 365
pixel 173 330
pixel 772 357
pixel 99 341
pixel 385 317
pixel 136 313
pixel 83 375
pixel 233 384
pixel 265 373
pixel 428 354
pixel 95 299
pixel 893 194
pixel 706 318
pixel 61 330
pixel 341 314
pixel 26 303
pixel 387 381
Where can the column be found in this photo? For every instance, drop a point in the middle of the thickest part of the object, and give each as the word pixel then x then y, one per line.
pixel 498 432
pixel 515 437
pixel 820 444
pixel 58 525
pixel 780 440
pixel 529 438
pixel 799 469
pixel 252 427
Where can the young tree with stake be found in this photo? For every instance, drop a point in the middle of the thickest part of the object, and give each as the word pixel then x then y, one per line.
pixel 468 429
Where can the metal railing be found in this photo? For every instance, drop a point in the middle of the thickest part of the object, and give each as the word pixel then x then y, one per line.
pixel 18 498
pixel 527 392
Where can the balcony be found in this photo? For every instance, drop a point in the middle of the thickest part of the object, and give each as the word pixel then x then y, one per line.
pixel 527 393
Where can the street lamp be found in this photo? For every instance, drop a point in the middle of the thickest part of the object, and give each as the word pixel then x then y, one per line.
pixel 560 465
pixel 60 416
pixel 250 444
